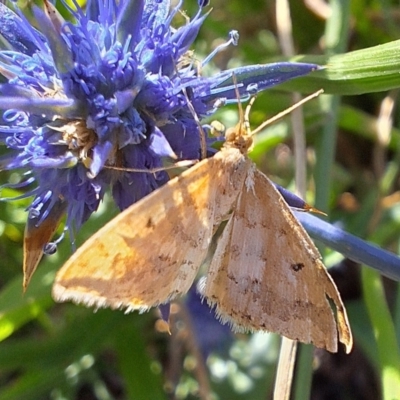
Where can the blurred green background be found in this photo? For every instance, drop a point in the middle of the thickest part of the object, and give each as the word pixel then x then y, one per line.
pixel 62 351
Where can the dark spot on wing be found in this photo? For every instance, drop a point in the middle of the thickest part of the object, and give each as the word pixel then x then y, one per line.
pixel 297 267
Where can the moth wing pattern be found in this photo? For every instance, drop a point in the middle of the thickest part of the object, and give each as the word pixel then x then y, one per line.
pixel 150 252
pixel 267 274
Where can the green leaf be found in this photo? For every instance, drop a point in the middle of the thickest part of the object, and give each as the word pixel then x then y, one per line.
pixel 33 385
pixel 385 334
pixel 17 308
pixel 136 365
pixel 374 69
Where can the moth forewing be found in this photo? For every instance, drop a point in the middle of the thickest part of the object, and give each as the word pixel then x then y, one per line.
pixel 267 274
pixel 150 252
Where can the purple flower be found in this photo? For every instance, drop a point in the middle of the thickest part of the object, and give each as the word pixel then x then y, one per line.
pixel 86 102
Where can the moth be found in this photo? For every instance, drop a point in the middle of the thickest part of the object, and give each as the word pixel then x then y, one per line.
pixel 266 273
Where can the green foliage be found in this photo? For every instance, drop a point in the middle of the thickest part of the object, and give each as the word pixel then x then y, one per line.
pixel 52 351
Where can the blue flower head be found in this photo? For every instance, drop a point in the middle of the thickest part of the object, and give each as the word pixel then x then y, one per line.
pixel 92 104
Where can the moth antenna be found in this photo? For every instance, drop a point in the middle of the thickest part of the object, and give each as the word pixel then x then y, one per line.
pixel 178 164
pixel 244 116
pixel 240 107
pixel 287 111
pixel 247 116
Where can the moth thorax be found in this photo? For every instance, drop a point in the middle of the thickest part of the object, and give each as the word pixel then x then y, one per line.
pixel 239 138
